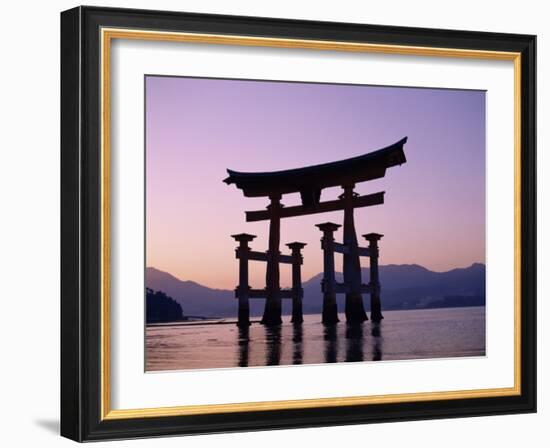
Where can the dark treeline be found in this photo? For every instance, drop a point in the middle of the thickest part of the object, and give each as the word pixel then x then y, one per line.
pixel 162 308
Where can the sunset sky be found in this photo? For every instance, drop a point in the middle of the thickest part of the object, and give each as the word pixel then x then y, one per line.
pixel 434 211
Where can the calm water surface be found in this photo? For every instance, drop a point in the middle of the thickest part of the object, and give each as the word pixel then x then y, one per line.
pixel 410 334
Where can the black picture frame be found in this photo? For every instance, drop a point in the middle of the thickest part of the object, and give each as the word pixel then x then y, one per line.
pixel 81 224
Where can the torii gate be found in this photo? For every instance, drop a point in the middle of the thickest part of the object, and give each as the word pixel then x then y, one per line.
pixel 309 182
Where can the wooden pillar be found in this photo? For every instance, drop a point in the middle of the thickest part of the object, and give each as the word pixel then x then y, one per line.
pixel 243 289
pixel 297 290
pixel 330 307
pixel 355 310
pixel 272 311
pixel 375 305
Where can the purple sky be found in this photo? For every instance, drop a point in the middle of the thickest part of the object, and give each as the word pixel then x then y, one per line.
pixel 434 211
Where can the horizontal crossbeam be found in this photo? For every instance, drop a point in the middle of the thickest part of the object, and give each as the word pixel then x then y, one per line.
pixel 262 256
pixel 342 288
pixel 340 248
pixel 343 249
pixel 323 207
pixel 366 288
pixel 364 252
pixel 262 293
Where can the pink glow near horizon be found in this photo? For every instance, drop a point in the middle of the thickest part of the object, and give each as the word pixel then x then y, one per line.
pixel 434 211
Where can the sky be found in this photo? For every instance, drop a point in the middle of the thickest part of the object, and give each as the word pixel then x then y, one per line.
pixel 196 128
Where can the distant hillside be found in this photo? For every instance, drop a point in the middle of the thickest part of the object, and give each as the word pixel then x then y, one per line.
pixel 195 299
pixel 403 287
pixel 413 286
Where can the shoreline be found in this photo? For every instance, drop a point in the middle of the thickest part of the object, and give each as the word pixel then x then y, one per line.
pixel 257 319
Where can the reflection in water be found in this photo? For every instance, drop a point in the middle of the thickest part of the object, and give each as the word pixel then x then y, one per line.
pixel 376 341
pixel 273 343
pixel 354 339
pixel 331 343
pixel 354 342
pixel 243 346
pixel 297 344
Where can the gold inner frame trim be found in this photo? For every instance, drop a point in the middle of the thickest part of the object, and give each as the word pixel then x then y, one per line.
pixel 107 35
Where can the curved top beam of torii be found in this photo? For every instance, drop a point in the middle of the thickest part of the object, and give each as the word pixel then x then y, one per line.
pixel 310 180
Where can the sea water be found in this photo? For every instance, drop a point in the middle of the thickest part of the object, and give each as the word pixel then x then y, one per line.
pixel 403 334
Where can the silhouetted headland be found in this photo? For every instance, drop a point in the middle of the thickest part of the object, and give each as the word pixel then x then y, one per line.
pixel 161 308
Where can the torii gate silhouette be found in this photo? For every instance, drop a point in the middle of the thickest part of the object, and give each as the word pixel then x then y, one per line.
pixel 309 182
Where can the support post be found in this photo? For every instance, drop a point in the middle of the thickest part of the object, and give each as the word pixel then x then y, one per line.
pixel 355 310
pixel 272 311
pixel 243 289
pixel 330 307
pixel 375 305
pixel 297 290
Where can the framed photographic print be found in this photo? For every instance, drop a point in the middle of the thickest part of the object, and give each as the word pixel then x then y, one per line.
pixel 272 223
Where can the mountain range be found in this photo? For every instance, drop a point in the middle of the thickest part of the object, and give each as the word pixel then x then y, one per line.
pixel 407 286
